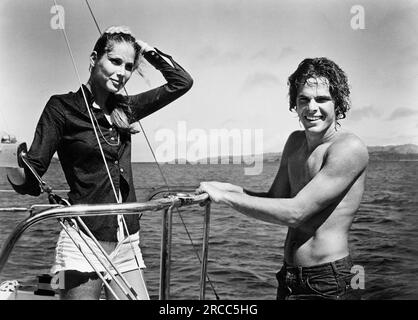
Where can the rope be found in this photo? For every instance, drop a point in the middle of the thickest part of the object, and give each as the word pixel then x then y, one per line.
pixel 117 198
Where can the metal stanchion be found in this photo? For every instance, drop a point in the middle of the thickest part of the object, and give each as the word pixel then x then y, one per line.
pixel 166 254
pixel 205 248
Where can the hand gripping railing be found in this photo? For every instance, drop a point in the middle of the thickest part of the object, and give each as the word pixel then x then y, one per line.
pixel 182 193
pixel 166 204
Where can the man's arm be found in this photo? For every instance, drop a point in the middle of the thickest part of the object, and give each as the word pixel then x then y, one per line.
pixel 345 162
pixel 280 187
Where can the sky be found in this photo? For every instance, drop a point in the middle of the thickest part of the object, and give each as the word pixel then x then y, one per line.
pixel 239 53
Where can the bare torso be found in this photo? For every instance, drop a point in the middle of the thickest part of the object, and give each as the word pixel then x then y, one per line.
pixel 323 237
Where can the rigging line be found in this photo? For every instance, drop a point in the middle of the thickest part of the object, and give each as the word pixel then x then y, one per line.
pixel 157 163
pixel 125 227
pixel 178 211
pixel 94 18
pixel 139 122
pixel 88 109
pixel 91 264
pixel 100 32
pixel 131 290
pixel 118 199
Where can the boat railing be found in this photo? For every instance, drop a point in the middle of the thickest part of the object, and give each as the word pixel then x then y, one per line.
pixel 170 201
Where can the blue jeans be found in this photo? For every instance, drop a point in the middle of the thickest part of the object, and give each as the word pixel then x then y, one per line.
pixel 325 281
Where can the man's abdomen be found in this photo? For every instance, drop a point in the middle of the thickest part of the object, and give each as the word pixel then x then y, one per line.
pixel 301 250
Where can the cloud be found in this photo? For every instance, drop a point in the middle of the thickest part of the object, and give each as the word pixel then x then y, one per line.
pixel 260 79
pixel 211 54
pixel 274 54
pixel 207 53
pixel 364 113
pixel 224 55
pixel 402 112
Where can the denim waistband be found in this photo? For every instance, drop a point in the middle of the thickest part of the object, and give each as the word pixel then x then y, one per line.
pixel 340 264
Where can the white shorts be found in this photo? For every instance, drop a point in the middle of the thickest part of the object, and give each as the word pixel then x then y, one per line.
pixel 69 257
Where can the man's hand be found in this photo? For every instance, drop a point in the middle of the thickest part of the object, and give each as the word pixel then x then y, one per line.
pixel 227 187
pixel 214 193
pixel 217 190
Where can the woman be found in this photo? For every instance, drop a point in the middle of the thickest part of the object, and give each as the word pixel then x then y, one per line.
pixel 66 126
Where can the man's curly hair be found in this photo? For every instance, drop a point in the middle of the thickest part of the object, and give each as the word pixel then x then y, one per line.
pixel 337 81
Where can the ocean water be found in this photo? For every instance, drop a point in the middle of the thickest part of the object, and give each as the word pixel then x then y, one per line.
pixel 244 253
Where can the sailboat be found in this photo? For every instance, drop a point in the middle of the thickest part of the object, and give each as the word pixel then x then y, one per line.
pixel 60 210
pixel 162 199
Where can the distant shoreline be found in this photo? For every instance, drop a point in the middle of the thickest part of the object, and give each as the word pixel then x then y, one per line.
pixel 377 159
pixel 405 152
pixel 278 161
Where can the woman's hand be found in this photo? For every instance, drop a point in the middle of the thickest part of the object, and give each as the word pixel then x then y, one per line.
pixel 145 47
pixel 119 29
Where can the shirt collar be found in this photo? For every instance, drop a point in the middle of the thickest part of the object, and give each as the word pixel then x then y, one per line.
pixel 89 95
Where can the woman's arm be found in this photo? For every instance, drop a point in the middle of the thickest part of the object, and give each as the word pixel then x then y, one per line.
pixel 49 131
pixel 178 83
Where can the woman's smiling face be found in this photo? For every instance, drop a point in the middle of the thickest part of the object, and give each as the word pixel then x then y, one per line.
pixel 114 68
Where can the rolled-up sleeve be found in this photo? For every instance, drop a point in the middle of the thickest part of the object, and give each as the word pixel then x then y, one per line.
pixel 178 83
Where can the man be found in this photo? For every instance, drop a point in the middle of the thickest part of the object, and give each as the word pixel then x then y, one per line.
pixel 317 189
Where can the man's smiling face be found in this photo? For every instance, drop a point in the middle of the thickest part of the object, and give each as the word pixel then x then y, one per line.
pixel 315 106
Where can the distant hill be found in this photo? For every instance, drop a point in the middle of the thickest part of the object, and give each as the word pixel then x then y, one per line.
pixel 402 149
pixel 376 153
pixel 267 157
pixel 393 153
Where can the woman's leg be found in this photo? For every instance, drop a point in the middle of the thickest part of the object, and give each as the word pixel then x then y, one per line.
pixel 135 278
pixel 81 286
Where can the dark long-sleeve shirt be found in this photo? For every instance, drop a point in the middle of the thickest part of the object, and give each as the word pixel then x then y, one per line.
pixel 65 127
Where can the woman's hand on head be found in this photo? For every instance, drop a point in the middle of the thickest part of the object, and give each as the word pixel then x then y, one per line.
pixel 119 29
pixel 145 47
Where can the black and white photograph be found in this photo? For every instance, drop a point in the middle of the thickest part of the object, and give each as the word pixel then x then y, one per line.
pixel 228 150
